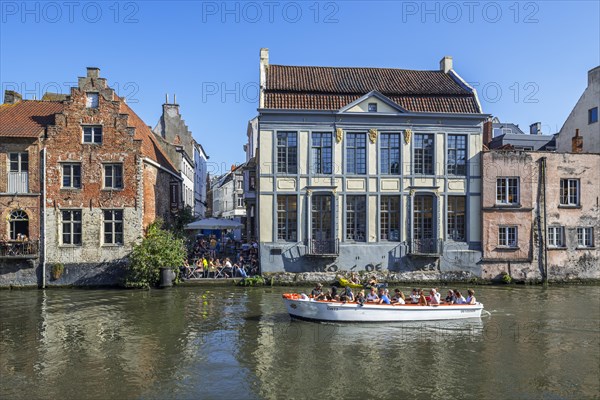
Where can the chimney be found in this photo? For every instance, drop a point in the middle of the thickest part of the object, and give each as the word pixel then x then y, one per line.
pixel 12 97
pixel 264 63
pixel 93 72
pixel 535 128
pixel 577 143
pixel 487 133
pixel 446 64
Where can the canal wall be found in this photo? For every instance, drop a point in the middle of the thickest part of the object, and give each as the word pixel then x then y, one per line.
pixel 28 274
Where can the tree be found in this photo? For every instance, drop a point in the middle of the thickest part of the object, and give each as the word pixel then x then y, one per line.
pixel 160 248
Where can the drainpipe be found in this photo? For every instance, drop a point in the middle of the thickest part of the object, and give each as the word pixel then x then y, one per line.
pixel 544 232
pixel 44 218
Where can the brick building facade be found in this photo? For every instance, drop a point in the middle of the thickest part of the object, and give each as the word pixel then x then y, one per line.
pixel 105 177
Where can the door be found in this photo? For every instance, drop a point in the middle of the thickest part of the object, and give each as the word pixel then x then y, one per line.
pixel 323 241
pixel 423 225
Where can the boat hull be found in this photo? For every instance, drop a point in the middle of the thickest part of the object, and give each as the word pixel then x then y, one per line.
pixel 326 311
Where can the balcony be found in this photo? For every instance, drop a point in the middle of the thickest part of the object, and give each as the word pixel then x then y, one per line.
pixel 425 247
pixel 13 249
pixel 323 248
pixel 18 182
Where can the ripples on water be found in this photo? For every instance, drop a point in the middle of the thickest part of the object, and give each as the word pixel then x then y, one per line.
pixel 239 343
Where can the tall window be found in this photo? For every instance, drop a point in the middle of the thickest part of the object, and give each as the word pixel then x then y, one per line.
pixel 92 134
pixel 287 218
pixel 423 157
pixel 507 190
pixel 556 236
pixel 592 115
pixel 356 153
pixel 356 218
pixel 71 178
pixel 423 217
pixel 390 153
pixel 456 218
pixel 585 237
pixel 507 236
pixel 18 176
pixel 19 224
pixel 287 152
pixel 321 153
pixel 71 227
pixel 390 218
pixel 457 154
pixel 569 192
pixel 113 176
pixel 113 226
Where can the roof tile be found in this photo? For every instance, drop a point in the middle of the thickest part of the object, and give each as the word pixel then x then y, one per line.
pixel 27 118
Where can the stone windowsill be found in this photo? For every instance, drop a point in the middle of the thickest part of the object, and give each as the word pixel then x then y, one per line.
pixel 109 246
pixel 506 248
pixel 112 189
pixel 567 206
pixel 508 205
pixel 585 248
pixel 557 248
pixel 71 189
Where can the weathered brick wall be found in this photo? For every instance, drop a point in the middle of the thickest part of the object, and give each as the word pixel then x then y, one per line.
pixel 157 186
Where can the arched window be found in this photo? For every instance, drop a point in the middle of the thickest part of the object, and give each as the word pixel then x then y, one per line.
pixel 19 224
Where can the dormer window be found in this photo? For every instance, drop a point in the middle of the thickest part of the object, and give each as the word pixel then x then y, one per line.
pixel 91 100
pixel 372 107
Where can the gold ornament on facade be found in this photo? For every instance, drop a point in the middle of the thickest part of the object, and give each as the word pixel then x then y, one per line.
pixel 373 135
pixel 339 133
pixel 407 135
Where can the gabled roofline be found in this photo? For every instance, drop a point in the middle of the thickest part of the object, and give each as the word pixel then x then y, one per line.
pixel 408 114
pixel 378 95
pixel 458 79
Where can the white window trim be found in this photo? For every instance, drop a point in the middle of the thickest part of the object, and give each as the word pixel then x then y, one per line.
pixel 505 200
pixel 578 190
pixel 104 187
pixel 93 135
pixel 508 245
pixel 552 238
pixel 586 236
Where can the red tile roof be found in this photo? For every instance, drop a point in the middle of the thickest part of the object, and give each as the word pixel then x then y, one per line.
pixel 27 118
pixel 331 88
pixel 150 147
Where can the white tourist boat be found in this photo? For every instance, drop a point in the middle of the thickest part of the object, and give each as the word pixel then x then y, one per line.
pixel 336 311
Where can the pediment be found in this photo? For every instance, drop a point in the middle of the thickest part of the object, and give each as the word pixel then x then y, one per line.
pixel 365 103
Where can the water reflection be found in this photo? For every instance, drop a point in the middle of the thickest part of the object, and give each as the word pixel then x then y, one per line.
pixel 229 342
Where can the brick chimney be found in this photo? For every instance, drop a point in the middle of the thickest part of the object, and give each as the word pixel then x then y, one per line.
pixel 446 64
pixel 487 133
pixel 577 143
pixel 264 64
pixel 12 97
pixel 93 72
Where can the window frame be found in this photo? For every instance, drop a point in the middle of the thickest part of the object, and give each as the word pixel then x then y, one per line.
pixel 421 155
pixel 112 176
pixel 568 195
pixel 456 168
pixel 585 235
pixel 290 164
pixel 288 215
pixel 319 163
pixel 113 222
pixel 452 215
pixel 391 217
pixel 93 135
pixel 87 98
pixel 72 223
pixel 359 152
pixel 71 185
pixel 22 161
pixel 591 114
pixel 506 180
pixel 503 235
pixel 356 218
pixel 395 145
pixel 556 237
pixel 372 107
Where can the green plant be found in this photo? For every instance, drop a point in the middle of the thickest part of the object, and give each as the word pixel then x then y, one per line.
pixel 57 271
pixel 252 281
pixel 181 219
pixel 506 278
pixel 160 248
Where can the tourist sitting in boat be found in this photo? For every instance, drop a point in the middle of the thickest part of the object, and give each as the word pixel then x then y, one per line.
pixel 360 297
pixel 449 297
pixel 435 297
pixel 398 297
pixel 317 292
pixel 383 296
pixel 332 295
pixel 372 281
pixel 347 295
pixel 372 296
pixel 414 296
pixel 458 298
pixel 471 297
pixel 422 299
pixel 354 278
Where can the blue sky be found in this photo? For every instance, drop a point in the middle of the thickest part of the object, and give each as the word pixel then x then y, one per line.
pixel 528 60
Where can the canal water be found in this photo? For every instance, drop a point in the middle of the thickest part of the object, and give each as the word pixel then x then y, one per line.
pixel 209 343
